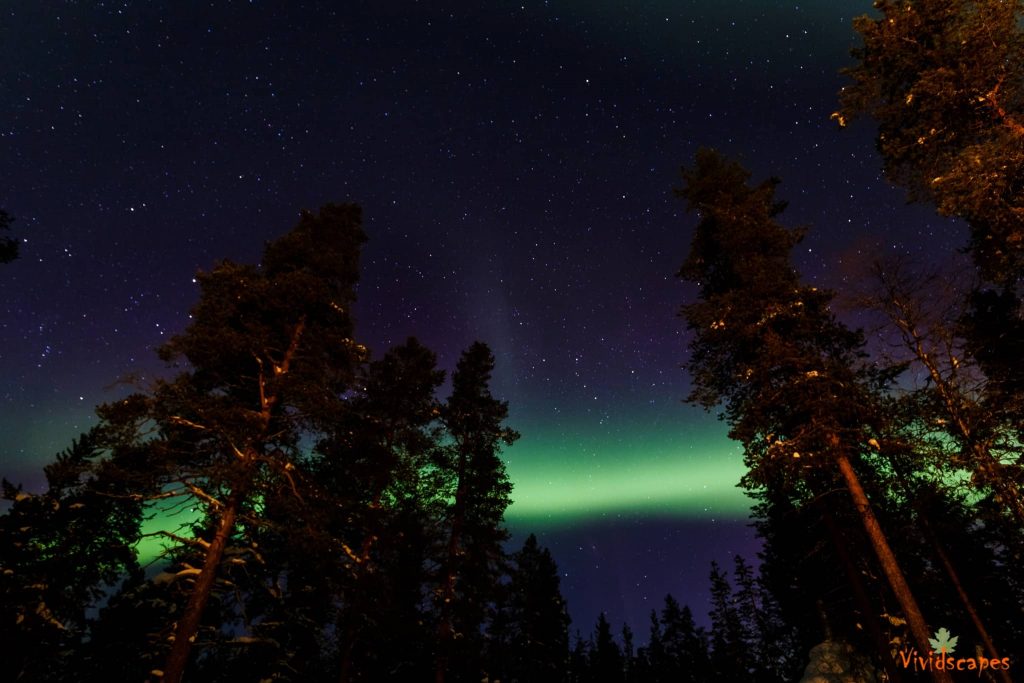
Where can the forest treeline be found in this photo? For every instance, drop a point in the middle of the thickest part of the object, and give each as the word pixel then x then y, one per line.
pixel 748 640
pixel 345 523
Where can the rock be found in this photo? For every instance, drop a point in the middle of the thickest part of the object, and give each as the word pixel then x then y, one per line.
pixel 837 662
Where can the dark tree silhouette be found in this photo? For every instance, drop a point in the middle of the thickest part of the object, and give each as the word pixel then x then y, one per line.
pixel 61 551
pixel 605 661
pixel 375 463
pixel 538 624
pixel 470 565
pixel 8 246
pixel 730 657
pixel 685 646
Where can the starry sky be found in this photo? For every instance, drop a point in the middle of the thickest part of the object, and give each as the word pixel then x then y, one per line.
pixel 515 162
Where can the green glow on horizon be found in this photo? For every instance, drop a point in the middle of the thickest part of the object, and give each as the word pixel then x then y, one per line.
pixel 661 474
pixel 685 489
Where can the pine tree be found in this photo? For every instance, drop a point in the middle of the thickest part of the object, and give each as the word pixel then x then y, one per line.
pixel 267 359
pixel 770 350
pixel 942 78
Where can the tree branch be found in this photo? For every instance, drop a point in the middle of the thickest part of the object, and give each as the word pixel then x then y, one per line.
pixel 1004 116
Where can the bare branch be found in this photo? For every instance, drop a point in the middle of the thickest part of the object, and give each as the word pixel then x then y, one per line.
pixel 178 420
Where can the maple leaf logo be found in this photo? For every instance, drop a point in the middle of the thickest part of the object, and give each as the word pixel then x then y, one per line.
pixel 943 642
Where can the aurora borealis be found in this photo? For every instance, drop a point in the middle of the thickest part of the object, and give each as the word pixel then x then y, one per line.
pixel 660 477
pixel 515 162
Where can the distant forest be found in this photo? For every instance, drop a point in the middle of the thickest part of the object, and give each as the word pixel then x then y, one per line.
pixel 346 524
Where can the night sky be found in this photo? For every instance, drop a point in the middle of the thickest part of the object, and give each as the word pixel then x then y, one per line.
pixel 515 162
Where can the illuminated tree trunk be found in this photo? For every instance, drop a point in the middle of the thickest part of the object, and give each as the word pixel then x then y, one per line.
pixel 954 578
pixel 358 603
pixel 887 559
pixel 188 625
pixel 860 594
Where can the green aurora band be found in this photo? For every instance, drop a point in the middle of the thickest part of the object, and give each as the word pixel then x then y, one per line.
pixel 561 480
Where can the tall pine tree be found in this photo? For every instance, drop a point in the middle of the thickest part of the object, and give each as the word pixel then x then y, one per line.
pixel 768 348
pixel 266 361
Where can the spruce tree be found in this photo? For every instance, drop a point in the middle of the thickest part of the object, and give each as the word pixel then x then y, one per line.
pixel 771 645
pixel 684 645
pixel 376 505
pixel 653 660
pixel 538 623
pixel 579 668
pixel 471 559
pixel 605 661
pixel 730 658
pixel 629 673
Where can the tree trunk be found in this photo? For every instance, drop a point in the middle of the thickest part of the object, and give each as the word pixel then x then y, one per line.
pixel 445 630
pixel 359 596
pixel 951 573
pixel 887 559
pixel 188 625
pixel 860 594
pixel 348 644
pixel 954 578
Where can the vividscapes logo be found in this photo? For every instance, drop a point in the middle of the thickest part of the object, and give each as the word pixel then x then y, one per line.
pixel 941 659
